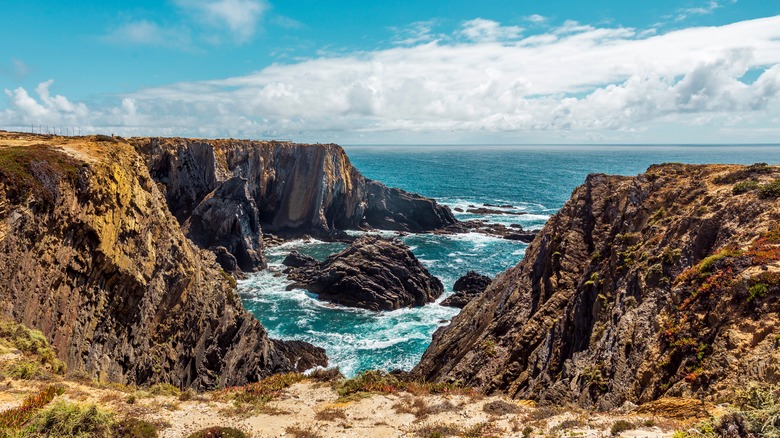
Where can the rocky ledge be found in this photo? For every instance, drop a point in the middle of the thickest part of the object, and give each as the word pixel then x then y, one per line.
pixel 665 284
pixel 373 273
pixel 467 288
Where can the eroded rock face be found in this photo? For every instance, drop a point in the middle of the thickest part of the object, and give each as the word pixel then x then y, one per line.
pixel 227 218
pixel 297 188
pixel 638 288
pixel 373 273
pixel 467 288
pixel 104 270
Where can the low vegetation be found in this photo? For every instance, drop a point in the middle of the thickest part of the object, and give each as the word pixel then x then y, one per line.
pixel 35 171
pixel 39 359
pixel 219 432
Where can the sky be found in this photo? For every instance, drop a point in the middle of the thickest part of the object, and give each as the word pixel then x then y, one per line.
pixel 396 72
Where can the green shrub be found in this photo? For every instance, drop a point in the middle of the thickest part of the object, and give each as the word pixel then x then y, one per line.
pixel 369 381
pixel 770 190
pixel 621 426
pixel 744 187
pixel 758 290
pixel 69 420
pixel 31 343
pixel 219 432
pixel 134 428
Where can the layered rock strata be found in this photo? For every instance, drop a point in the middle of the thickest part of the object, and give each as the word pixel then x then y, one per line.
pixel 666 284
pixel 296 189
pixel 373 273
pixel 92 257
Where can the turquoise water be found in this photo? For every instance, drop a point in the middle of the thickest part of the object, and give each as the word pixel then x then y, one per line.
pixel 536 180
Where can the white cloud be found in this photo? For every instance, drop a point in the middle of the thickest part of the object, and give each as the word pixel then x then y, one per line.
pixel 706 8
pixel 536 18
pixel 575 82
pixel 240 17
pixel 481 30
pixel 50 109
pixel 416 33
pixel 144 32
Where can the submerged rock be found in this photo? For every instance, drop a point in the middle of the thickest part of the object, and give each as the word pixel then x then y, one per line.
pixel 466 289
pixel 373 273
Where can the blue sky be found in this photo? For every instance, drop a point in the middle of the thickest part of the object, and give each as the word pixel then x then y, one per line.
pixel 691 71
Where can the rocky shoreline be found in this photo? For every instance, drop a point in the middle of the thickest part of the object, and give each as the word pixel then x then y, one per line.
pixel 124 253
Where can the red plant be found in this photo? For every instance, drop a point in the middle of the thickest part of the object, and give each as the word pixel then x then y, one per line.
pixel 15 418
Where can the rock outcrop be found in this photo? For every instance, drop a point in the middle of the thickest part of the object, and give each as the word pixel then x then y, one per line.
pixel 467 288
pixel 94 259
pixel 226 222
pixel 297 188
pixel 297 260
pixel 666 284
pixel 373 273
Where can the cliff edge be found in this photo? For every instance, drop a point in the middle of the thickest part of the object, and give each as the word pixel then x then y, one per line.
pixel 291 189
pixel 93 258
pixel 665 284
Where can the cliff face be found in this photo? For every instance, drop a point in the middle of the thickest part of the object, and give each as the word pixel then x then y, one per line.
pixel 663 284
pixel 297 188
pixel 93 258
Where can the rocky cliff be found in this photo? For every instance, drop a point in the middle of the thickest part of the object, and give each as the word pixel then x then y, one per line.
pixel 662 284
pixel 296 188
pixel 92 257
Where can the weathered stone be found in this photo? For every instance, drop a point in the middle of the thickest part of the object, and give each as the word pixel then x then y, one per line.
pixel 298 188
pixel 105 272
pixel 297 260
pixel 227 218
pixel 373 273
pixel 618 300
pixel 467 288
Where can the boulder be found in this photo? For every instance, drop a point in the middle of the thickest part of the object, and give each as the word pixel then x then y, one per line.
pixel 466 289
pixel 297 260
pixel 373 273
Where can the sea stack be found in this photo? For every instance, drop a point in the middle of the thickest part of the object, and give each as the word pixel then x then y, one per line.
pixel 373 273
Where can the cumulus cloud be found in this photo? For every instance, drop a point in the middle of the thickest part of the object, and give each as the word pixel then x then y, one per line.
pixel 574 81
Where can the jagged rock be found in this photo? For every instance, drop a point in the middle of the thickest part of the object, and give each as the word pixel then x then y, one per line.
pixel 297 260
pixel 466 289
pixel 227 218
pixel 523 237
pixel 373 273
pixel 637 289
pixel 225 259
pixel 394 209
pixel 105 272
pixel 298 188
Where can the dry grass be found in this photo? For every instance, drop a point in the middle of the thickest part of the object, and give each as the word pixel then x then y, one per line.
pixel 330 414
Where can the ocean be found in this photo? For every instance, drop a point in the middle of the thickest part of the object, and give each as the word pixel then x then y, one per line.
pixel 534 180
